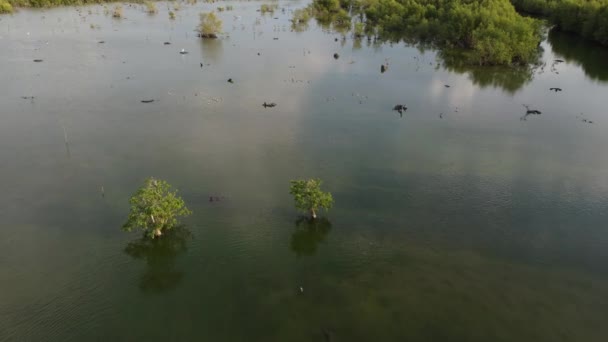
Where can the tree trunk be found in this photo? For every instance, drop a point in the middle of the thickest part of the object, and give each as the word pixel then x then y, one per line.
pixel 157 232
pixel 313 214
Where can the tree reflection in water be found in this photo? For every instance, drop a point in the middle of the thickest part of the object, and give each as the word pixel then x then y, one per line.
pixel 159 254
pixel 309 234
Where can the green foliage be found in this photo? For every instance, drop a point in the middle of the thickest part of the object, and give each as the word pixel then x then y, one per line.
pixel 210 25
pixel 308 196
pixel 5 7
pixel 491 31
pixel 50 3
pixel 301 16
pixel 268 8
pixel 588 18
pixel 171 15
pixel 300 19
pixel 358 30
pixel 154 208
pixel 150 7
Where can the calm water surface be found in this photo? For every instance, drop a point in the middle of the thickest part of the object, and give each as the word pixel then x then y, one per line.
pixel 462 220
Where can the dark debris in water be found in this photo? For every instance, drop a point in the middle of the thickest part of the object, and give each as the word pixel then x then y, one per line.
pixel 38 60
pixel 583 119
pixel 269 105
pixel 400 108
pixel 530 112
pixel 213 198
pixel 147 101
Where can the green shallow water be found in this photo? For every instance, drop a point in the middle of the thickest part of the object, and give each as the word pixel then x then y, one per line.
pixel 479 225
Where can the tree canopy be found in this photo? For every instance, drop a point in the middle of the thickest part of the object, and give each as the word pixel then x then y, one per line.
pixel 588 18
pixel 154 208
pixel 308 196
pixel 5 7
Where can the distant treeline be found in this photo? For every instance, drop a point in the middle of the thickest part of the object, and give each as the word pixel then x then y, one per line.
pixel 588 18
pixel 6 6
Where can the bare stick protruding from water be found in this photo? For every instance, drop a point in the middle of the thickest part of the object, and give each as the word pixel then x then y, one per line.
pixel 65 139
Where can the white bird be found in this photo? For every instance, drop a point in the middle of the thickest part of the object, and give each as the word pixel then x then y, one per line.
pixel 301 289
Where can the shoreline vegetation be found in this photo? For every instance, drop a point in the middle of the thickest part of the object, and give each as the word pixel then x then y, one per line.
pixel 586 18
pixel 486 32
pixel 481 32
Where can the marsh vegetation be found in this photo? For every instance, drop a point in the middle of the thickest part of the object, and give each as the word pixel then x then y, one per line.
pixel 210 25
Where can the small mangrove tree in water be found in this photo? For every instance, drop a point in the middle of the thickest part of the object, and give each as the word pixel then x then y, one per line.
pixel 155 208
pixel 210 25
pixel 308 196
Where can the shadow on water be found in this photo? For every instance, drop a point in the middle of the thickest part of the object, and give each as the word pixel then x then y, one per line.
pixel 308 235
pixel 592 57
pixel 159 254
